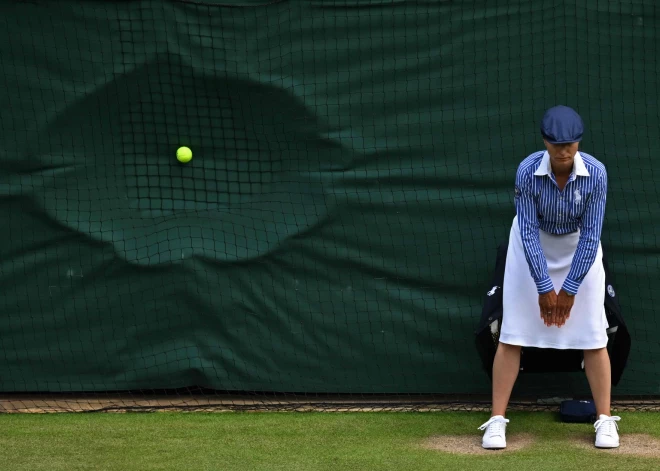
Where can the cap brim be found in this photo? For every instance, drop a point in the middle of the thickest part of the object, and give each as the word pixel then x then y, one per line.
pixel 553 141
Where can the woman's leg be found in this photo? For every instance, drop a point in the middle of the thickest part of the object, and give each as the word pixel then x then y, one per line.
pixel 505 372
pixel 599 374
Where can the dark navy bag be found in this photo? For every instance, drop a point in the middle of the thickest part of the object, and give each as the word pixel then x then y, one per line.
pixel 548 360
pixel 578 411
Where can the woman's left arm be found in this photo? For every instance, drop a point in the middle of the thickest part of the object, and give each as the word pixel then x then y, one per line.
pixel 590 230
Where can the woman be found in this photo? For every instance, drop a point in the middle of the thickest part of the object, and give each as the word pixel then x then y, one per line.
pixel 554 282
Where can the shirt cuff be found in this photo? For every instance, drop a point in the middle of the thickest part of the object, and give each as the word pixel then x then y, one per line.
pixel 545 285
pixel 571 286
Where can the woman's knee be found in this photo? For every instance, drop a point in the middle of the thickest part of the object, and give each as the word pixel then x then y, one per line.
pixel 508 347
pixel 596 351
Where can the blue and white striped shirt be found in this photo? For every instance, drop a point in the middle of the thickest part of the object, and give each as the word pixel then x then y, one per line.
pixel 540 205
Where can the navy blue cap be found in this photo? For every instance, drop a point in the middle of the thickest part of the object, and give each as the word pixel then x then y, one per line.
pixel 562 124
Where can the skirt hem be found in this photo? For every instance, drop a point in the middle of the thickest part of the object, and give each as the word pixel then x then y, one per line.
pixel 536 344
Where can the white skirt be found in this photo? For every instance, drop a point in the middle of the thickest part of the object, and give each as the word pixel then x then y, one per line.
pixel 585 329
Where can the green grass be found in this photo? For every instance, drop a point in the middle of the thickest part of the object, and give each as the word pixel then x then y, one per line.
pixel 296 441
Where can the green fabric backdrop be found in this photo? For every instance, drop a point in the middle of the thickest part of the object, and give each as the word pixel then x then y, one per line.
pixel 352 176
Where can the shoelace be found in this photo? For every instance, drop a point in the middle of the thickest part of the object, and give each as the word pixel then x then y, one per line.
pixel 607 423
pixel 498 421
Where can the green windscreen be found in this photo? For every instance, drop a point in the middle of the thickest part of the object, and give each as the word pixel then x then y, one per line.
pixel 352 176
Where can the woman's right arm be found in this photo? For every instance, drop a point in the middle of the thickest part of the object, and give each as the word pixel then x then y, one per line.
pixel 528 223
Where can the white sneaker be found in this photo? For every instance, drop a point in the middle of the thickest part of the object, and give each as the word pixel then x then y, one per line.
pixel 606 431
pixel 495 435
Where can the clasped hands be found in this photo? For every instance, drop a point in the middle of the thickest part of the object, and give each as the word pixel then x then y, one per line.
pixel 555 308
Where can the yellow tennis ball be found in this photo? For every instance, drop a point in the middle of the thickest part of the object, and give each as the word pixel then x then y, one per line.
pixel 183 154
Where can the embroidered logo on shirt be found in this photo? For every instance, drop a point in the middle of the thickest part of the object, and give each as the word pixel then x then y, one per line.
pixel 492 291
pixel 578 197
pixel 610 291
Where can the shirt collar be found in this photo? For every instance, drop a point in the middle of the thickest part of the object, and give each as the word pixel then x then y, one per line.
pixel 545 168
